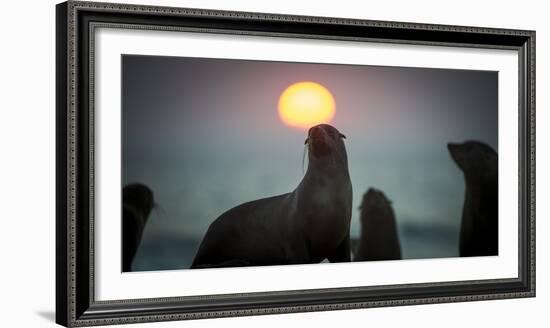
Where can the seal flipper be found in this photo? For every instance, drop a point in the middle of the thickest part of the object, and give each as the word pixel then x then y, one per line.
pixel 343 252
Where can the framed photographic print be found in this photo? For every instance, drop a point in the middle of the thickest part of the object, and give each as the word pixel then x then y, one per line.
pixel 216 163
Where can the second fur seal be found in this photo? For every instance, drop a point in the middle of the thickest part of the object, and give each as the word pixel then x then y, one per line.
pixel 379 239
pixel 307 225
pixel 137 203
pixel 479 228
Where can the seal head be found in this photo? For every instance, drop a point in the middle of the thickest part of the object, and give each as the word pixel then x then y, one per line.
pixel 474 158
pixel 325 140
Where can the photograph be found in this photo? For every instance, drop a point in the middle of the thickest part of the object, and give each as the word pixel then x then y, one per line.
pixel 237 163
pixel 215 163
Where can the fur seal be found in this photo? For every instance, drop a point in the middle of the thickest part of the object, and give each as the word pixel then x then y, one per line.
pixel 307 225
pixel 479 227
pixel 137 203
pixel 379 240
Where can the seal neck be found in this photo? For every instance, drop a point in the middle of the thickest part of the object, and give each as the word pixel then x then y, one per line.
pixel 331 167
pixel 326 174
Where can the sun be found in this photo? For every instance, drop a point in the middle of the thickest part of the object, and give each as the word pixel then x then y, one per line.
pixel 305 104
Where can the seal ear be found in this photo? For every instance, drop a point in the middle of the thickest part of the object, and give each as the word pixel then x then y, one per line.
pixel 342 136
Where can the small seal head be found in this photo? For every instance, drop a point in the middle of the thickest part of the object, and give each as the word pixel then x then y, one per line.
pixel 139 197
pixel 376 200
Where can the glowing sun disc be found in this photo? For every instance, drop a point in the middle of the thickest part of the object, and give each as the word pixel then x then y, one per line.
pixel 305 104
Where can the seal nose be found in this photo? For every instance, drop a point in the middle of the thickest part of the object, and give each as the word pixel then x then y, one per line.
pixel 315 131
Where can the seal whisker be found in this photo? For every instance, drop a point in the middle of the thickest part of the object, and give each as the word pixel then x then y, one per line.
pixel 304 158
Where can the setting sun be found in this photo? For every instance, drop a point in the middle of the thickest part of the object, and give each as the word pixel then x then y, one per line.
pixel 305 104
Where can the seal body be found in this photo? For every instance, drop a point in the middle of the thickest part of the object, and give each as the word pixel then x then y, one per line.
pixel 379 239
pixel 307 225
pixel 479 227
pixel 137 203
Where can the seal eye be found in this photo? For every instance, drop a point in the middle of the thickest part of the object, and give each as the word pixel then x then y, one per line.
pixel 307 140
pixel 342 136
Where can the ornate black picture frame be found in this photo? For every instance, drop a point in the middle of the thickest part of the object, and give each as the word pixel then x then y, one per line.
pixel 75 279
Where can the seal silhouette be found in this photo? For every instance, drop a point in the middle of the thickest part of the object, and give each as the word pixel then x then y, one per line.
pixel 379 239
pixel 137 203
pixel 479 227
pixel 307 225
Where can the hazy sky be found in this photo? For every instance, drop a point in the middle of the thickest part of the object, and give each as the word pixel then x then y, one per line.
pixel 205 134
